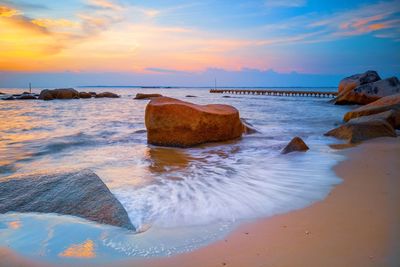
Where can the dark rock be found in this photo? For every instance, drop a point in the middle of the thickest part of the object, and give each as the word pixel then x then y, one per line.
pixel 9 98
pixel 85 95
pixel 81 194
pixel 93 94
pixel 146 96
pixel 27 97
pixel 358 131
pixel 107 94
pixel 26 93
pixel 226 96
pixel 62 93
pixel 296 144
pixel 191 96
pixel 370 92
pixel 1 93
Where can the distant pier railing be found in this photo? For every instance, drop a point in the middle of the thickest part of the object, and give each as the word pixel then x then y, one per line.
pixel 273 92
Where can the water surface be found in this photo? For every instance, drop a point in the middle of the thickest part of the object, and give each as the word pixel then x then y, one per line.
pixel 188 197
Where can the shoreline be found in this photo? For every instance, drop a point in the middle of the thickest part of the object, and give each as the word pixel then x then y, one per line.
pixel 357 224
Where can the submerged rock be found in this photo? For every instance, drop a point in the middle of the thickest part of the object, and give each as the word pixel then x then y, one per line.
pixel 191 96
pixel 107 94
pixel 172 122
pixel 297 144
pixel 358 131
pixel 370 92
pixel 248 127
pixel 63 93
pixel 85 95
pixel 146 96
pixel 384 104
pixel 81 194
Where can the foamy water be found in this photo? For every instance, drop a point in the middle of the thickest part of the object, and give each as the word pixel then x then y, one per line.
pixel 189 197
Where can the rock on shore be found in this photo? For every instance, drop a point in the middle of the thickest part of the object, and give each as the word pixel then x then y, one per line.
pixel 172 122
pixel 370 92
pixel 81 194
pixel 384 104
pixel 356 131
pixel 352 82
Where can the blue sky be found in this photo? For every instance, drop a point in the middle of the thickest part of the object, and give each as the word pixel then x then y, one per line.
pixel 170 42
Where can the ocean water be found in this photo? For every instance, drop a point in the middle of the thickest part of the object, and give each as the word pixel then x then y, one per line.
pixel 186 198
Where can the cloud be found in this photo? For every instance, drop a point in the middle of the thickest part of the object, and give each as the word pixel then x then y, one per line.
pixel 7 12
pixel 285 3
pixel 105 5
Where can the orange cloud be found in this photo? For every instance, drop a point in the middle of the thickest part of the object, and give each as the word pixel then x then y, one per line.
pixel 8 12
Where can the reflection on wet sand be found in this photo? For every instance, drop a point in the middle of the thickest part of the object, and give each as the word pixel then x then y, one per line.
pixel 14 225
pixel 84 250
pixel 168 159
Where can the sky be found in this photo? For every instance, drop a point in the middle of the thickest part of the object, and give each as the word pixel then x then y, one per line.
pixel 189 43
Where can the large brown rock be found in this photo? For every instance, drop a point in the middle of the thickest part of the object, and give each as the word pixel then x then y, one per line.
pixel 384 104
pixel 62 93
pixel 140 96
pixel 81 194
pixel 391 116
pixel 107 94
pixel 350 83
pixel 297 144
pixel 370 92
pixel 171 122
pixel 358 131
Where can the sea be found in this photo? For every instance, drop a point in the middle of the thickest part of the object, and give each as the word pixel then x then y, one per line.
pixel 178 199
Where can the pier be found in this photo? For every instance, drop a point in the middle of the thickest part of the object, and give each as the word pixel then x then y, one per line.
pixel 273 92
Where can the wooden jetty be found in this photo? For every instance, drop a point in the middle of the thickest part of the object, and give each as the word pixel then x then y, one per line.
pixel 273 92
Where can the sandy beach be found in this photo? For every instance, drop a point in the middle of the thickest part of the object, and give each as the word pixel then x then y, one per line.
pixel 356 225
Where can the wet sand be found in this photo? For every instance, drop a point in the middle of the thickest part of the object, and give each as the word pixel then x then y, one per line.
pixel 358 224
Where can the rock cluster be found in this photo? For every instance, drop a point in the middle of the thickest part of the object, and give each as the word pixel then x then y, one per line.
pixel 381 114
pixel 61 93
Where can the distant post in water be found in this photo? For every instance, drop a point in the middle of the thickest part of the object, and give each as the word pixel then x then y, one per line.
pixel 30 88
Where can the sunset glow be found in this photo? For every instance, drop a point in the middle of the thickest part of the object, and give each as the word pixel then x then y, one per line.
pixel 143 36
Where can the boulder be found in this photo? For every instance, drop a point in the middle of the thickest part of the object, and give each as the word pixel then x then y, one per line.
pixel 107 94
pixel 370 92
pixel 85 95
pixel 391 116
pixel 93 94
pixel 384 104
pixel 81 194
pixel 297 144
pixel 350 83
pixel 1 93
pixel 358 131
pixel 63 93
pixel 146 96
pixel 172 122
